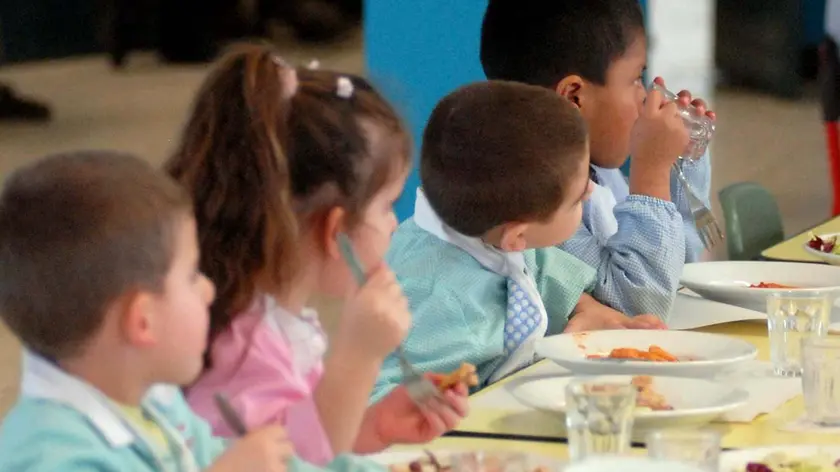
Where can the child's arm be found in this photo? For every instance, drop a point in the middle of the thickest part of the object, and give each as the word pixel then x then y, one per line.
pixel 590 315
pixel 699 175
pixel 374 322
pixel 638 268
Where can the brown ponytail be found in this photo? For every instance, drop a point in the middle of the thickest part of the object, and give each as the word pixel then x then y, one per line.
pixel 267 148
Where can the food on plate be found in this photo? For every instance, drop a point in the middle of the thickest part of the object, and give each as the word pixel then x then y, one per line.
pixel 653 354
pixel 464 374
pixel 431 463
pixel 770 285
pixel 822 244
pixel 781 462
pixel 647 398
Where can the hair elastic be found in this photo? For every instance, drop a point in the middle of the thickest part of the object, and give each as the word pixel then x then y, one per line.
pixel 344 87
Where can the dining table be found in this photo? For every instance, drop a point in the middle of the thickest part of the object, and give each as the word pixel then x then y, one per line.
pixel 792 249
pixel 491 426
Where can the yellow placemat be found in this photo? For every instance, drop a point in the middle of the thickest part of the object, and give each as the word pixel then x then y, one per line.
pixel 762 431
pixel 791 250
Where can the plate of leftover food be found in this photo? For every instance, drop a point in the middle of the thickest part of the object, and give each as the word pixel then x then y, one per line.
pixel 782 459
pixel 442 461
pixel 651 352
pixel 824 247
pixel 747 283
pixel 661 402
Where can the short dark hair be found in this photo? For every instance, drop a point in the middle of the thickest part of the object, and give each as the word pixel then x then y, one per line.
pixel 495 152
pixel 540 42
pixel 77 231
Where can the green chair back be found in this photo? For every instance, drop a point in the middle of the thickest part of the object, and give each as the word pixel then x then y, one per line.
pixel 753 221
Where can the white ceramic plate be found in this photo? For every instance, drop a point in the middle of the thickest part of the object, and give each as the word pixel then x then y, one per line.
pixel 629 464
pixel 729 281
pixel 391 458
pixel 736 461
pixel 830 258
pixel 695 401
pixel 705 354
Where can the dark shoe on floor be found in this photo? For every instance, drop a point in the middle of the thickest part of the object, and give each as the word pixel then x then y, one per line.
pixel 16 108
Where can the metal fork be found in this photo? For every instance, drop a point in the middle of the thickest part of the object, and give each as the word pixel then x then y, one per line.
pixel 705 222
pixel 420 389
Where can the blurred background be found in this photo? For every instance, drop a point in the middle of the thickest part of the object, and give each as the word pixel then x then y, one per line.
pixel 121 74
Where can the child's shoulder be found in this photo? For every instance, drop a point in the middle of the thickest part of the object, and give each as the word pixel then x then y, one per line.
pixel 419 257
pixel 39 434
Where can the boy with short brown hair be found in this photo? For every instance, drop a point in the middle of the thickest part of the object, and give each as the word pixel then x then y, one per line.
pixel 99 280
pixel 477 261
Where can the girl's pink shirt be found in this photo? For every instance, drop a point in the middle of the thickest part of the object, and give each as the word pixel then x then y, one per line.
pixel 267 364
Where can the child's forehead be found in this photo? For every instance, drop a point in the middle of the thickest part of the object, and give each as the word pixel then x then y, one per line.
pixel 632 60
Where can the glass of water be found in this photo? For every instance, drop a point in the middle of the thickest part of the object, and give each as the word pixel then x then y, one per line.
pixel 696 447
pixel 821 379
pixel 700 128
pixel 599 418
pixel 792 316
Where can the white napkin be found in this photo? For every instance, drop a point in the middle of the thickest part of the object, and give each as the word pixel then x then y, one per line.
pixel 691 311
pixel 767 392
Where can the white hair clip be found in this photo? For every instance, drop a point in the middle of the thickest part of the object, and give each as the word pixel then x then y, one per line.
pixel 314 64
pixel 344 87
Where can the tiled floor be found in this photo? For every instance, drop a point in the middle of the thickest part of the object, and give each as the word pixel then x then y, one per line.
pixel 774 142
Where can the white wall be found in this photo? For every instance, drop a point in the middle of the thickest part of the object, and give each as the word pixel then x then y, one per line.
pixel 681 46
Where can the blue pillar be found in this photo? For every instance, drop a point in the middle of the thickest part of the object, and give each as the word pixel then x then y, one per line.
pixel 417 52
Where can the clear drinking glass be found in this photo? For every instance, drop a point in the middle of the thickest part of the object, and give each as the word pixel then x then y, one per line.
pixel 821 379
pixel 487 461
pixel 700 128
pixel 599 418
pixel 697 447
pixel 792 316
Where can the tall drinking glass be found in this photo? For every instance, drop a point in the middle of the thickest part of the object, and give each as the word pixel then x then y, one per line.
pixel 700 128
pixel 792 316
pixel 599 418
pixel 821 379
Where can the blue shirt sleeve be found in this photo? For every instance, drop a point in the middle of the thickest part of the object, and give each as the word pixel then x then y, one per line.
pixel 699 175
pixel 638 268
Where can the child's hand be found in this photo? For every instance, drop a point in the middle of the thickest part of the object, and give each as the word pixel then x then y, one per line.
pixel 397 420
pixel 264 450
pixel 659 137
pixel 376 317
pixel 700 106
pixel 591 315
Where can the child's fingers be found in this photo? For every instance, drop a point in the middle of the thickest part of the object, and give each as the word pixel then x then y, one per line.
pixel 659 81
pixel 444 415
pixel 653 102
pixel 431 413
pixel 711 115
pixel 457 401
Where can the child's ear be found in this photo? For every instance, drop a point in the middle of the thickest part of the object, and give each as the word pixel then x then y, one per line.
pixel 513 237
pixel 138 322
pixel 335 222
pixel 571 87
